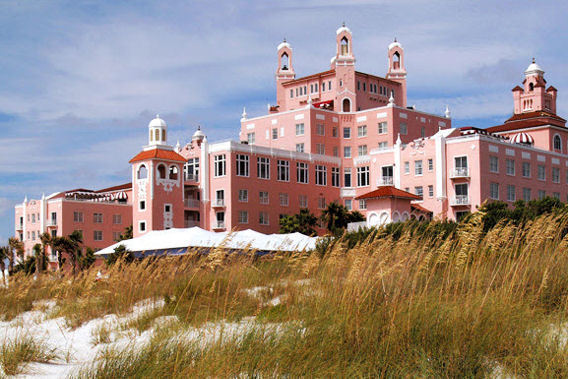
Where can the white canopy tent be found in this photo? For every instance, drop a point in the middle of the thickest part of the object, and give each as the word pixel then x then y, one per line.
pixel 199 238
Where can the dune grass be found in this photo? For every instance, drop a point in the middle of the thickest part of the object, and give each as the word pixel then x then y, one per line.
pixel 420 301
pixel 17 353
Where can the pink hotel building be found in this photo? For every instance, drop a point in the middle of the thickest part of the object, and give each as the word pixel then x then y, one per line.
pixel 338 135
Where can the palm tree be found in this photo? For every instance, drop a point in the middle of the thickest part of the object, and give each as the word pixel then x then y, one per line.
pixel 15 246
pixel 71 245
pixel 335 216
pixel 46 240
pixel 4 252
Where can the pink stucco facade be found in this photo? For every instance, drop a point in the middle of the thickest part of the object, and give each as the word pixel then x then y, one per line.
pixel 337 135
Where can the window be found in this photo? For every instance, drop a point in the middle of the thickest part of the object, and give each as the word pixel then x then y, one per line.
pixel 422 132
pixel 383 145
pixel 541 172
pixel 363 176
pixel 300 147
pixel 346 132
pixel 347 152
pixel 283 170
pixel 347 177
pixel 419 191
pixel 263 218
pixel 142 205
pixel 511 193
pixel 430 191
pixel 493 164
pixel 142 172
pixel 220 219
pixel 33 235
pixel 335 151
pixel 115 236
pixel 275 133
pixel 142 226
pixel 430 164
pixel 302 173
pixel 526 170
pixel 363 204
pixel 291 93
pixel 33 218
pixel 329 85
pixel 541 194
pixel 251 138
pixel 362 131
pixel 334 131
pixel 335 176
pixel 418 167
pixel 191 169
pixel 320 130
pixel 403 128
pixel 557 143
pixel 303 201
pixel 98 235
pixel 117 219
pixel 263 197
pixel 243 217
pixel 349 204
pixel 173 173
pixel 362 150
pixel 321 175
pixel 556 195
pixel 161 171
pixel 323 87
pixel 98 218
pixel 407 167
pixel 526 194
pixel 555 175
pixel 220 197
pixel 263 167
pixel 320 148
pixel 243 196
pixel 220 165
pixel 382 127
pixel 77 216
pixel 321 202
pixel 494 191
pixel 510 163
pixel 300 129
pixel 242 165
pixel 284 200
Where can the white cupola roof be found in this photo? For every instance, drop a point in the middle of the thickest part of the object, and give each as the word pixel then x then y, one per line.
pixel 283 44
pixel 395 44
pixel 534 68
pixel 343 28
pixel 198 135
pixel 157 123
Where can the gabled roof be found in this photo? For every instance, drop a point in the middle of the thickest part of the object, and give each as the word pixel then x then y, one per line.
pixel 168 155
pixel 386 192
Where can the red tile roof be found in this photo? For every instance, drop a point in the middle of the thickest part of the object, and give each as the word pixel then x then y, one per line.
pixel 528 120
pixel 388 191
pixel 116 188
pixel 420 208
pixel 158 153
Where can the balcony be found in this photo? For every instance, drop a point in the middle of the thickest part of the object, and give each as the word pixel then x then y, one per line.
pixel 191 223
pixel 218 203
pixel 191 203
pixel 20 227
pixel 385 181
pixel 219 225
pixel 460 200
pixel 190 178
pixel 52 223
pixel 459 172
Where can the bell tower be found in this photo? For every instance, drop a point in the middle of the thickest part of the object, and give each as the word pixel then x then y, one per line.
pixel 397 71
pixel 157 183
pixel 344 65
pixel 534 96
pixel 284 72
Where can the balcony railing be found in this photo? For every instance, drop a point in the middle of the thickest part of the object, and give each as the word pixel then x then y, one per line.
pixel 191 203
pixel 20 227
pixel 460 172
pixel 220 225
pixel 191 223
pixel 219 202
pixel 52 222
pixel 460 200
pixel 385 181
pixel 190 177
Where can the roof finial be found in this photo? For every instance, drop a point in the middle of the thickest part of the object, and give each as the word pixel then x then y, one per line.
pixel 447 112
pixel 534 60
pixel 343 24
pixel 394 39
pixel 198 127
pixel 284 40
pixel 157 115
pixel 244 115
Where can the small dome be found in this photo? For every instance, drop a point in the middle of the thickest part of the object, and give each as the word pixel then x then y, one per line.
pixel 522 138
pixel 283 45
pixel 343 28
pixel 198 134
pixel 533 68
pixel 157 123
pixel 395 44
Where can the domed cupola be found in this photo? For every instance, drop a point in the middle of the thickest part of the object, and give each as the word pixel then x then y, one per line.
pixel 534 68
pixel 157 131
pixel 198 136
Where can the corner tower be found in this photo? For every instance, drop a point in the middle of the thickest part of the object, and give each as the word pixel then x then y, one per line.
pixel 157 183
pixel 397 71
pixel 344 65
pixel 534 96
pixel 284 72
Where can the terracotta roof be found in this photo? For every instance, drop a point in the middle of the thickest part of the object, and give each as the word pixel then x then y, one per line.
pixel 388 191
pixel 169 155
pixel 420 208
pixel 317 75
pixel 517 88
pixel 551 88
pixel 528 120
pixel 116 188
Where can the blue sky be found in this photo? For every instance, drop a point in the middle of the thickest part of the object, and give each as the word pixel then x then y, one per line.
pixel 79 80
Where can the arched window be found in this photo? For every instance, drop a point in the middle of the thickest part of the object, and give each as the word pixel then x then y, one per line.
pixel 284 60
pixel 156 135
pixel 531 86
pixel 346 105
pixel 163 135
pixel 557 143
pixel 173 172
pixel 142 172
pixel 161 171
pixel 396 60
pixel 151 135
pixel 344 46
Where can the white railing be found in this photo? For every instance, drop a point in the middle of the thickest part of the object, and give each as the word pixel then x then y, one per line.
pixel 460 200
pixel 190 177
pixel 191 223
pixel 460 172
pixel 385 181
pixel 219 203
pixel 191 203
pixel 20 227
pixel 220 225
pixel 51 222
